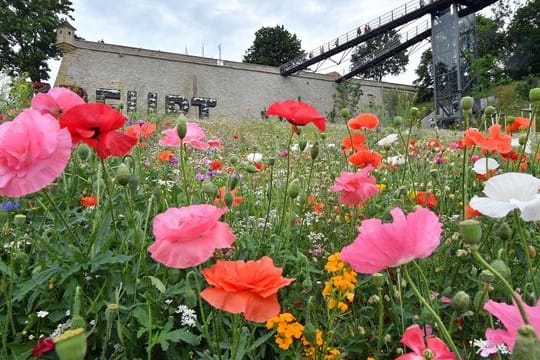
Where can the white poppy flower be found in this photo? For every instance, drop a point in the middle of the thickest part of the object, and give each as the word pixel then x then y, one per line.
pixel 507 192
pixel 396 160
pixel 390 139
pixel 516 144
pixel 483 165
pixel 254 157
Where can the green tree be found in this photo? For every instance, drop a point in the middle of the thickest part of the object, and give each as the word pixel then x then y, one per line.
pixel 28 35
pixel 524 41
pixel 424 82
pixel 273 46
pixel 394 65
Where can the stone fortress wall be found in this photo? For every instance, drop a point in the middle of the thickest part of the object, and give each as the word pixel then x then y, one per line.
pixel 198 86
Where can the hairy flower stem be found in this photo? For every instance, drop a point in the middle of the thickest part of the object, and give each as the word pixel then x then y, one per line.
pixel 183 170
pixel 530 274
pixel 433 313
pixel 285 196
pixel 484 263
pixel 60 215
pixel 110 201
pixel 269 199
pixel 380 310
pixel 465 180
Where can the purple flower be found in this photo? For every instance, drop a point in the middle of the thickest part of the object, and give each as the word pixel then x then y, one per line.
pixel 201 177
pixel 173 160
pixel 9 205
pixel 211 173
pixel 283 153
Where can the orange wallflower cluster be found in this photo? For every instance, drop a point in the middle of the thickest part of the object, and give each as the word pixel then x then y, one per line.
pixel 312 351
pixel 339 289
pixel 287 329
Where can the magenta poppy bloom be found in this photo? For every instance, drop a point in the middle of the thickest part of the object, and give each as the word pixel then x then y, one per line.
pixel 414 339
pixel 56 102
pixel 34 151
pixel 356 187
pixel 188 236
pixel 379 246
pixel 194 137
pixel 511 319
pixel 298 113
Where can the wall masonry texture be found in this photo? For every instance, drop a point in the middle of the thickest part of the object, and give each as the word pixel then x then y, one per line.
pixel 241 90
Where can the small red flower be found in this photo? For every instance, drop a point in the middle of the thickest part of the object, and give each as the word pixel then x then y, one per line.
pixel 298 113
pixel 215 165
pixel 426 198
pixel 44 345
pixel 94 124
pixel 88 201
pixel 364 158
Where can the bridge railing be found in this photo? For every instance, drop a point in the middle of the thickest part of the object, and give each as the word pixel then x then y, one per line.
pixel 382 20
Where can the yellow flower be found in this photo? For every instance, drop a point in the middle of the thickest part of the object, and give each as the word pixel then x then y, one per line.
pixel 381 187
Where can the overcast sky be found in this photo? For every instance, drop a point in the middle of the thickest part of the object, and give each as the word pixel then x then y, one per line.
pixel 170 25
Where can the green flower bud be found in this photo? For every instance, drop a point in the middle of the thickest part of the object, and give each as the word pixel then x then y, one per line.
pixel 293 189
pixel 181 126
pixel 510 119
pixel 251 169
pixel 487 276
pixel 397 121
pixel 235 159
pixel 501 267
pixel 378 280
pixel 233 181
pixel 527 346
pixel 471 231
pixel 77 321
pixel 467 103
pixel 534 95
pixel 415 112
pixel 209 188
pixel 83 152
pixel 489 110
pixel 302 143
pixel 314 151
pixel 271 161
pixel 522 140
pixel 322 135
pixel 111 312
pixel 228 198
pixel 504 231
pixel 307 285
pixel 71 345
pixel 461 302
pixel 19 220
pixel 123 174
pixel 345 113
pixel 133 182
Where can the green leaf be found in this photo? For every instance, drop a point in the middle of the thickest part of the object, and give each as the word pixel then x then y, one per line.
pixel 157 284
pixel 107 258
pixel 5 270
pixel 175 336
pixel 37 280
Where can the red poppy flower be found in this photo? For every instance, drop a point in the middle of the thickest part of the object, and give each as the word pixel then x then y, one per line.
pixel 364 121
pixel 44 345
pixel 364 158
pixel 517 124
pixel 433 144
pixel 88 201
pixel 145 130
pixel 494 142
pixel 245 287
pixel 94 124
pixel 425 198
pixel 215 165
pixel 470 212
pixel 298 113
pixel 165 156
pixel 353 142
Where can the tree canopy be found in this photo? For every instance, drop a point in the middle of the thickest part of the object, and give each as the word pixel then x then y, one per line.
pixel 273 46
pixel 391 66
pixel 28 35
pixel 424 83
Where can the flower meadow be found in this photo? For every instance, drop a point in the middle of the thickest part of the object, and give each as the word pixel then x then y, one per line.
pixel 156 237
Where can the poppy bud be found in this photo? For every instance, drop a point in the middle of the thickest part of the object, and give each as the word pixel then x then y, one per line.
pixel 111 312
pixel 510 119
pixel 501 267
pixel 471 231
pixel 133 182
pixel 83 152
pixel 71 345
pixel 378 280
pixel 251 169
pixel 345 113
pixel 233 181
pixel 293 189
pixel 302 143
pixel 307 285
pixel 234 160
pixel 228 198
pixel 480 299
pixel 123 174
pixel 415 112
pixel 504 231
pixel 323 135
pixel 397 122
pixel 19 220
pixel 181 126
pixel 530 249
pixel 489 110
pixel 271 161
pixel 77 321
pixel 208 187
pixel 534 95
pixel 487 276
pixel 461 302
pixel 314 151
pixel 467 103
pixel 522 140
pixel 527 346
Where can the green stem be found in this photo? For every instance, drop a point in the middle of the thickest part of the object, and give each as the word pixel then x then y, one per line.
pixel 110 200
pixel 505 283
pixel 285 196
pixel 527 255
pixel 270 186
pixel 465 177
pixel 438 320
pixel 381 320
pixel 60 215
pixel 184 177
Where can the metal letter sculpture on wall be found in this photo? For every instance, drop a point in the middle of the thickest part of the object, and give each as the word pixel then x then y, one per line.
pixel 204 105
pixel 131 102
pixel 176 103
pixel 109 96
pixel 152 102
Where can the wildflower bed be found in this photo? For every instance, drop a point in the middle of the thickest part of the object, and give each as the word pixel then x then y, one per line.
pixel 170 239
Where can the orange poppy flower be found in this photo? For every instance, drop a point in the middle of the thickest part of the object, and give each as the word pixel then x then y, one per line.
pixel 433 144
pixel 517 124
pixel 245 287
pixel 220 200
pixel 165 155
pixel 425 198
pixel 88 201
pixel 470 212
pixel 494 142
pixel 364 158
pixel 353 142
pixel 364 121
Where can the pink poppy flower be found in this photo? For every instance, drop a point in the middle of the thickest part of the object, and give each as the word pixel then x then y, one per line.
pixel 188 236
pixel 414 339
pixel 356 187
pixel 511 319
pixel 34 151
pixel 194 137
pixel 56 102
pixel 379 246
